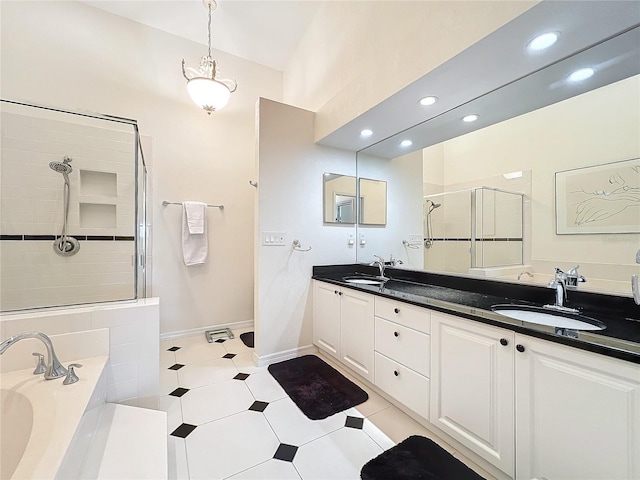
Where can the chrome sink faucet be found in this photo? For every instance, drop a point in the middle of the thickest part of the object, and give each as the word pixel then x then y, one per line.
pixel 561 281
pixel 379 263
pixel 54 369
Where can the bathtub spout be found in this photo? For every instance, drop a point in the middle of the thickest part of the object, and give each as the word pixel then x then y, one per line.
pixel 54 368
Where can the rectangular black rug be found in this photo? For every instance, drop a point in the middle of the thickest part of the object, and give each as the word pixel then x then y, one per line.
pixel 247 339
pixel 318 389
pixel 417 458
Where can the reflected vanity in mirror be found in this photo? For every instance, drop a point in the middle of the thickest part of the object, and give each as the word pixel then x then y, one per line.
pixel 526 132
pixel 373 202
pixel 339 200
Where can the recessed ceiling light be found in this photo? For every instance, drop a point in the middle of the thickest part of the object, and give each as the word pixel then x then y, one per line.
pixel 366 132
pixel 542 41
pixel 406 143
pixel 512 175
pixel 428 101
pixel 582 74
pixel 470 118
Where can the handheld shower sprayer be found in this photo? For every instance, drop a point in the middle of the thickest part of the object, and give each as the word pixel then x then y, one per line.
pixel 431 206
pixel 65 245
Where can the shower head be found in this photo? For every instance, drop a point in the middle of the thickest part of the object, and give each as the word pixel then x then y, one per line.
pixel 435 205
pixel 62 167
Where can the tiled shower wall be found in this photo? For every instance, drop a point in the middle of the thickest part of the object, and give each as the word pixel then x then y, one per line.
pixel 101 210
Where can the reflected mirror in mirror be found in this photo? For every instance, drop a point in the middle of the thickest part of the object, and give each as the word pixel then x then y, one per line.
pixel 339 198
pixel 521 153
pixel 373 202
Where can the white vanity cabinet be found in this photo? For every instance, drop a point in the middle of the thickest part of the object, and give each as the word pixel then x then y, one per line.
pixel 402 353
pixel 472 386
pixel 343 326
pixel 577 414
pixel 534 408
pixel 326 317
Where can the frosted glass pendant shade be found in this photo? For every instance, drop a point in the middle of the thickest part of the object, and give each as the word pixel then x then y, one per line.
pixel 208 94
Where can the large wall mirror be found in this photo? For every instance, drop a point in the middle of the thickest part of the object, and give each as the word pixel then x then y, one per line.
pixel 529 131
pixel 373 202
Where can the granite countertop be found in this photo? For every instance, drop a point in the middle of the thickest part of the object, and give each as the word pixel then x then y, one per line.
pixel 472 298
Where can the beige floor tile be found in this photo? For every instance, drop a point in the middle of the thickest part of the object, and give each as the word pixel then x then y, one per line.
pixel 473 466
pixel 397 426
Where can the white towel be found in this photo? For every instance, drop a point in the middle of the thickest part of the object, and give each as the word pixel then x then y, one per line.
pixel 196 213
pixel 194 233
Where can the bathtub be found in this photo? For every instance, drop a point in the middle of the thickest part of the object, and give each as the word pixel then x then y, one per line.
pixel 38 418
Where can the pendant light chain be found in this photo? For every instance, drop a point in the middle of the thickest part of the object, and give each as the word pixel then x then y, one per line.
pixel 205 88
pixel 209 29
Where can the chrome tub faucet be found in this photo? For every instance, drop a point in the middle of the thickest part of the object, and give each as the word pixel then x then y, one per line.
pixel 54 369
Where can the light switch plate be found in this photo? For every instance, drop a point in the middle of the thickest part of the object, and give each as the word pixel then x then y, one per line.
pixel 273 239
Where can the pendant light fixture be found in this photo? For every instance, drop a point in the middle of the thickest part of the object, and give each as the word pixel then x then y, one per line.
pixel 205 89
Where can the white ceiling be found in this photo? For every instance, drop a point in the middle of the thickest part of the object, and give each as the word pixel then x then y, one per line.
pixel 262 31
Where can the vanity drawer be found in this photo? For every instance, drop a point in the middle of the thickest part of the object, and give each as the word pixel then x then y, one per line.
pixel 404 345
pixel 403 384
pixel 404 314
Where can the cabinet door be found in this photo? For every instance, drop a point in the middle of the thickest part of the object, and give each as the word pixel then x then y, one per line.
pixel 326 318
pixel 578 414
pixel 357 332
pixel 472 386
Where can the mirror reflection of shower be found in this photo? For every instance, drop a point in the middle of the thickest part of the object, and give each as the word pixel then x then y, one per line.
pixel 429 207
pixel 65 245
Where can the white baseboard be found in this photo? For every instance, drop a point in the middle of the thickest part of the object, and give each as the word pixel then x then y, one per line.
pixel 201 330
pixel 284 355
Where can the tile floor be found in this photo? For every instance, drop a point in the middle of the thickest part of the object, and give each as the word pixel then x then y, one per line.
pixel 230 419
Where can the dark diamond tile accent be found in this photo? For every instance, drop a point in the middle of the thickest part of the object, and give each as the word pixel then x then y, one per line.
pixel 221 340
pixel 176 366
pixel 354 422
pixel 258 406
pixel 173 349
pixel 285 452
pixel 178 392
pixel 241 376
pixel 183 430
pixel 229 355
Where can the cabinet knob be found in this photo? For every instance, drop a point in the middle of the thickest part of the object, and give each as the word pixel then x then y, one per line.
pixel 395 372
pixel 396 310
pixel 504 341
pixel 339 293
pixel 520 348
pixel 335 292
pixel 396 334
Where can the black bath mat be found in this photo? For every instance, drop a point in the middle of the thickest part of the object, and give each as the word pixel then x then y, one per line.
pixel 247 339
pixel 318 389
pixel 417 458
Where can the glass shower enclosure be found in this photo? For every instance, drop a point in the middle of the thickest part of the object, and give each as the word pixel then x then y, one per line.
pixel 467 230
pixel 73 211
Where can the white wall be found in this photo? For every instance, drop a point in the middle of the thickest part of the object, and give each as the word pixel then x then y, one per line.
pixel 73 56
pixel 289 200
pixel 357 53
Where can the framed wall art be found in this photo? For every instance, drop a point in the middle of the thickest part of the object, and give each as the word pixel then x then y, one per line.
pixel 599 199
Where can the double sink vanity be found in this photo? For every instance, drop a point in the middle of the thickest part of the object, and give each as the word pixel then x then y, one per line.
pixel 533 392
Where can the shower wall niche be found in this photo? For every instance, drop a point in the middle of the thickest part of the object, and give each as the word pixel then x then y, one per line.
pixel 473 230
pixel 106 208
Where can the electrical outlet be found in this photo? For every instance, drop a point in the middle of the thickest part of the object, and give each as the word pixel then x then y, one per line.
pixel 275 239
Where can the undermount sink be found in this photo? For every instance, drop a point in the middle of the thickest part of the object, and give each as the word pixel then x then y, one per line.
pixel 549 316
pixel 365 280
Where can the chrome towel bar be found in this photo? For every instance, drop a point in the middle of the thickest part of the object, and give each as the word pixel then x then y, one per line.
pixel 165 203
